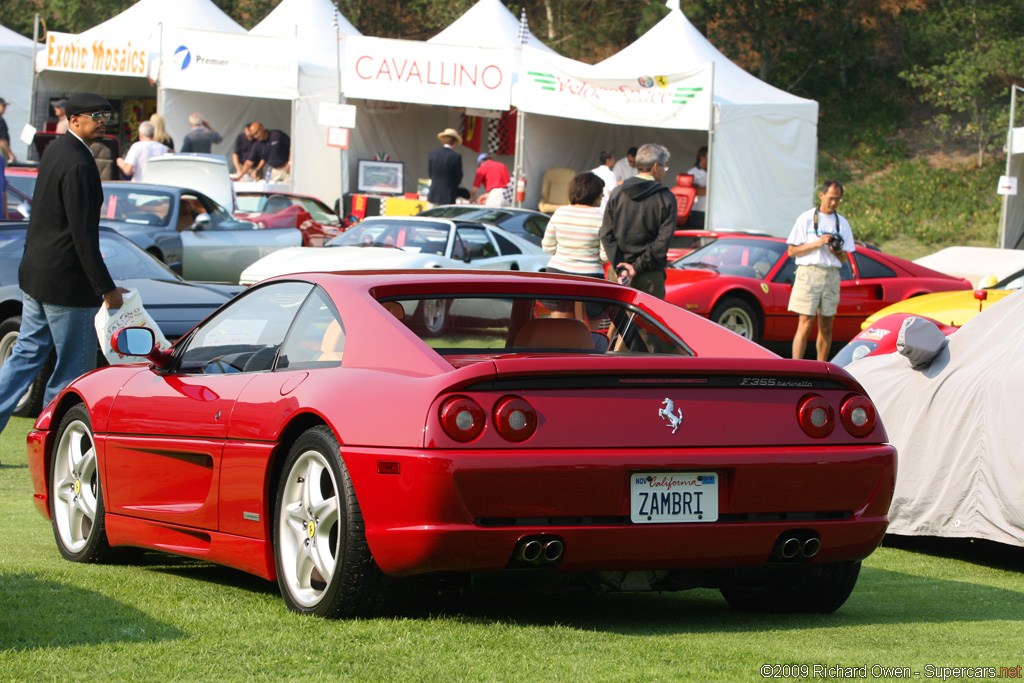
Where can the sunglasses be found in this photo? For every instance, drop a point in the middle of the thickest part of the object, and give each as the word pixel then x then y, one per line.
pixel 98 116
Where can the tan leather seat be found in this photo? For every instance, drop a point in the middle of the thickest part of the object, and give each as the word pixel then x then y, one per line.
pixel 555 333
pixel 332 347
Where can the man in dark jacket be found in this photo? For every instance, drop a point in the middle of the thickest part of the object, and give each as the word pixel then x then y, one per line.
pixel 62 274
pixel 638 223
pixel 445 168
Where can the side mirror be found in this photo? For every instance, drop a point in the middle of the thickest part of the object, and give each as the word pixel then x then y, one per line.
pixel 202 222
pixel 138 341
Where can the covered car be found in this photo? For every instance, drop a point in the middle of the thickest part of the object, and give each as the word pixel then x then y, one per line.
pixel 955 423
pixel 948 310
pixel 565 431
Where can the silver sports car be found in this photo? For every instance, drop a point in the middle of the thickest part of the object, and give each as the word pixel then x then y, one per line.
pixel 189 231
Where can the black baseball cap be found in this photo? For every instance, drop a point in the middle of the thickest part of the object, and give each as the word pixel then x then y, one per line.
pixel 85 102
pixel 3 101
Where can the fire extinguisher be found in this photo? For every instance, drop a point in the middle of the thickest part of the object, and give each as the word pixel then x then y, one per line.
pixel 521 189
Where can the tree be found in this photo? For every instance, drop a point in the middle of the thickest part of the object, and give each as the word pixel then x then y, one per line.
pixel 970 53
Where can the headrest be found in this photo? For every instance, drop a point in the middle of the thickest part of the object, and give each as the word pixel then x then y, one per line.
pixel 684 180
pixel 555 333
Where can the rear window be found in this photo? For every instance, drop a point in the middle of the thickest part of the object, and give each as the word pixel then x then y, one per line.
pixel 486 325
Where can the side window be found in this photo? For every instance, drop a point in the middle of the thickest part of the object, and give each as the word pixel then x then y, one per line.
pixel 787 273
pixel 245 336
pixel 536 225
pixel 869 268
pixel 505 245
pixel 317 338
pixel 846 271
pixel 475 243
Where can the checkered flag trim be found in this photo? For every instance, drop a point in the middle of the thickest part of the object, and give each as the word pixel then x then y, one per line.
pixel 501 134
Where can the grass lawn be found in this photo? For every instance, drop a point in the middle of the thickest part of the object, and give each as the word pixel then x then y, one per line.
pixel 160 618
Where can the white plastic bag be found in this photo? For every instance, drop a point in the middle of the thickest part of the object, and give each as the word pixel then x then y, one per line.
pixel 131 314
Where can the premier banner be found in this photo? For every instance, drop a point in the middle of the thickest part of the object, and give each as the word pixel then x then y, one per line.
pixel 230 64
pixel 74 53
pixel 424 73
pixel 556 86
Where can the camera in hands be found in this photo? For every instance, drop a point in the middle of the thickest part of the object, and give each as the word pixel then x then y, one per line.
pixel 835 242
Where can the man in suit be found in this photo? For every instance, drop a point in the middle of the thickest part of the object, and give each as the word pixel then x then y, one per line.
pixel 445 168
pixel 62 274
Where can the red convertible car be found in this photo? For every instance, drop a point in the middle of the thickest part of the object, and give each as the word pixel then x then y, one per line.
pixel 744 284
pixel 569 429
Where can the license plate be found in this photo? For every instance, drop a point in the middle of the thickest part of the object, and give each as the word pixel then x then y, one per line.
pixel 660 497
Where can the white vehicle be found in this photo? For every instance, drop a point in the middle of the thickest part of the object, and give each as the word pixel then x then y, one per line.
pixel 403 242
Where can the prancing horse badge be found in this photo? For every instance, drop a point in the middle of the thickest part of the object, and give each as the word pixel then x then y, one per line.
pixel 673 416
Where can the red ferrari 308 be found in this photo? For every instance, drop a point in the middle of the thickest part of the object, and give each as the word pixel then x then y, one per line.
pixel 569 429
pixel 744 284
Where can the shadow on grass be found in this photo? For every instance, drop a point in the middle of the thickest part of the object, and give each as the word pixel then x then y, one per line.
pixel 28 604
pixel 882 597
pixel 200 570
pixel 976 551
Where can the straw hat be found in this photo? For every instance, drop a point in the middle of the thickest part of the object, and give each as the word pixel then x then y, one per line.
pixel 450 133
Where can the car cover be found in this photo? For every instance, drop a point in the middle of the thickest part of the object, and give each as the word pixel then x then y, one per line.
pixel 958 428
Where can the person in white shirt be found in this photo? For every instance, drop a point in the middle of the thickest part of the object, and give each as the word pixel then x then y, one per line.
pixel 606 174
pixel 625 168
pixel 818 258
pixel 700 184
pixel 142 151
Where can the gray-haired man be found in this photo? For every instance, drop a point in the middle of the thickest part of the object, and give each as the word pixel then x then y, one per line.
pixel 202 137
pixel 638 224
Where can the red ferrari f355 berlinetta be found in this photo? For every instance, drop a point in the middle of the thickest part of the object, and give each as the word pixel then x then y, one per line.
pixel 320 431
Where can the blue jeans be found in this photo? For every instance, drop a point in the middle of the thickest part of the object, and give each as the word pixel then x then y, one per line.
pixel 44 326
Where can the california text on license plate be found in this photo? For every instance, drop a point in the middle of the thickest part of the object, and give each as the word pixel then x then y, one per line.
pixel 673 497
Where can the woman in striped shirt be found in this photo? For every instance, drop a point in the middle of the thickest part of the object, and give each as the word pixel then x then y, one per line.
pixel 572 234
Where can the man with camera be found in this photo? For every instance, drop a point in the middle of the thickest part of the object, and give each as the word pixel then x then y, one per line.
pixel 820 243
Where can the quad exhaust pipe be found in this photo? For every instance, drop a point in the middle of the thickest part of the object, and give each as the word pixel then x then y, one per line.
pixel 796 545
pixel 538 550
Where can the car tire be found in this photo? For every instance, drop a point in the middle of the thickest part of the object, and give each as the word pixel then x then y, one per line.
pixel 819 589
pixel 76 494
pixel 31 401
pixel 432 316
pixel 324 566
pixel 737 315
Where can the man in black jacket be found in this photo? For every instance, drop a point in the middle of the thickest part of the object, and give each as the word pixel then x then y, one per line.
pixel 62 273
pixel 444 166
pixel 638 224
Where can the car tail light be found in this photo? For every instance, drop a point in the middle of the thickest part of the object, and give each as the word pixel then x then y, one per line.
pixel 858 415
pixel 815 416
pixel 515 419
pixel 462 418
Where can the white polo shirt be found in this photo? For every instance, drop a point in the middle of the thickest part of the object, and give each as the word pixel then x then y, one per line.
pixel 803 232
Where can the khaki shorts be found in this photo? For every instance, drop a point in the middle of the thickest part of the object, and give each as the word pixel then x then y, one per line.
pixel 815 291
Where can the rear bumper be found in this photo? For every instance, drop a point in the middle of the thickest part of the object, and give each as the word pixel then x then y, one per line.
pixel 467 510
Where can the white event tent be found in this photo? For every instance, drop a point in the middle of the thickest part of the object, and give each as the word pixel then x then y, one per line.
pixel 320 32
pixel 762 141
pixel 116 58
pixel 400 114
pixel 16 88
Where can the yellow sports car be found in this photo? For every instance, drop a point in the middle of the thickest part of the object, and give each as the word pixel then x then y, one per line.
pixel 948 310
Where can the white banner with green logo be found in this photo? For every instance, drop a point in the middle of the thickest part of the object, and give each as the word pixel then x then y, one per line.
pixel 556 86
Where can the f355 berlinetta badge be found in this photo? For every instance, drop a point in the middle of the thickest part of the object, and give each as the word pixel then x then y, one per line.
pixel 673 416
